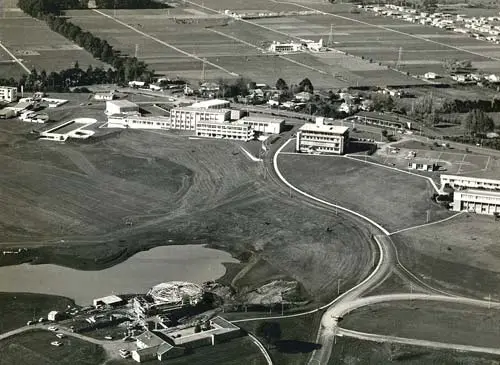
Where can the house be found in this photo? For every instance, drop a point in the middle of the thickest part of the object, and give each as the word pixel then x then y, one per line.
pixel 347 108
pixel 303 96
pixel 108 95
pixel 493 78
pixel 151 346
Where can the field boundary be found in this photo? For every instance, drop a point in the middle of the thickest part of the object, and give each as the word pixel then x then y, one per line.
pixel 427 224
pixel 17 60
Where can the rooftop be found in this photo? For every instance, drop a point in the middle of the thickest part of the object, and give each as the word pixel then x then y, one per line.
pixel 313 127
pixel 202 110
pixel 209 103
pixel 149 339
pixel 110 299
pixel 483 176
pixel 487 193
pixel 260 119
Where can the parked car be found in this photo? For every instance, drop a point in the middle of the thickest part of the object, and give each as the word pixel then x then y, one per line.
pixel 52 328
pixel 56 343
pixel 60 335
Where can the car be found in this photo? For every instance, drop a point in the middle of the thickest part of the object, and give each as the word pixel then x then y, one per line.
pixel 52 328
pixel 30 323
pixel 56 343
pixel 108 337
pixel 60 335
pixel 124 353
pixel 41 319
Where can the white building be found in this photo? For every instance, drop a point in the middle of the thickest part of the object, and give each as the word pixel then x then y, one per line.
pixel 285 47
pixel 121 107
pixel 322 138
pixel 138 122
pixel 108 95
pixel 224 130
pixel 467 182
pixel 265 125
pixel 212 104
pixel 8 94
pixel 187 117
pixel 477 201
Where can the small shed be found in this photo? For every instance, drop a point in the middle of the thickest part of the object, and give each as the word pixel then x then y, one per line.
pixel 110 300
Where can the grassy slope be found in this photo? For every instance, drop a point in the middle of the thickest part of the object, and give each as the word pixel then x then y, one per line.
pixel 33 348
pixel 460 255
pixel 18 308
pixel 350 351
pixel 451 323
pixel 395 200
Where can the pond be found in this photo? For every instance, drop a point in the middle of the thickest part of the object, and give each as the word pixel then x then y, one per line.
pixel 193 263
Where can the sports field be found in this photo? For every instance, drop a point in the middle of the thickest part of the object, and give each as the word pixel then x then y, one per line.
pixel 394 199
pixel 450 161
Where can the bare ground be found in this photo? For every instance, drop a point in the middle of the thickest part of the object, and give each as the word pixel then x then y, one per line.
pixel 68 203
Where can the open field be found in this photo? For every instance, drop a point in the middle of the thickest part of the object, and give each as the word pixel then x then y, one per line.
pixel 350 351
pixel 441 322
pixel 175 191
pixel 235 352
pixel 394 199
pixel 19 308
pixel 33 348
pixel 460 255
pixel 36 45
pixel 297 341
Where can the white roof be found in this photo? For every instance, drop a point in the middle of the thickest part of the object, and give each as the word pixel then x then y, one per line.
pixel 262 120
pixel 209 103
pixel 110 299
pixel 335 129
pixel 122 103
pixel 487 193
pixel 203 110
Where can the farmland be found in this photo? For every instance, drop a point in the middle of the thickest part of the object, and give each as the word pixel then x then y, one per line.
pixel 37 46
pixel 353 351
pixel 394 199
pixel 171 188
pixel 450 322
pixel 471 251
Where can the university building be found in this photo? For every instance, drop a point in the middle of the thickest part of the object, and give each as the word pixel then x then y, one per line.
pixel 321 138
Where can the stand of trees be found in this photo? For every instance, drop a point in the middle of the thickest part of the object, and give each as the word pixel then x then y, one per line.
pixel 477 121
pixel 130 4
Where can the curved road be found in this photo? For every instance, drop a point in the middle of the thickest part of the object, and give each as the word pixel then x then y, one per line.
pixel 388 262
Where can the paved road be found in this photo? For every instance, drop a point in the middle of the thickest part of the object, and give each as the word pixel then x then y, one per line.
pixel 410 341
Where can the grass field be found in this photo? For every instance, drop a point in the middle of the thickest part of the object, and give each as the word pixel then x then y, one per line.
pixel 394 199
pixel 33 348
pixel 297 341
pixel 460 255
pixel 19 308
pixel 171 188
pixel 441 322
pixel 350 351
pixel 237 351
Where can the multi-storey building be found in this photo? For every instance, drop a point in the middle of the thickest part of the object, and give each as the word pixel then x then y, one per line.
pixel 187 117
pixel 8 94
pixel 321 138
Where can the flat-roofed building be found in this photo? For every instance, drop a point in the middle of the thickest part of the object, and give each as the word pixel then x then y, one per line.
pixel 121 107
pixel 186 118
pixel 105 95
pixel 265 125
pixel 138 122
pixel 212 104
pixel 469 182
pixel 320 138
pixel 477 201
pixel 8 93
pixel 224 130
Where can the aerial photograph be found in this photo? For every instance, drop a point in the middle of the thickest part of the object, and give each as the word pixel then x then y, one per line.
pixel 265 182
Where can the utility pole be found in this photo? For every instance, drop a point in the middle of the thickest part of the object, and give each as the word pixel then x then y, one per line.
pixel 136 50
pixel 282 308
pixel 428 216
pixel 330 36
pixel 489 301
pixel 338 286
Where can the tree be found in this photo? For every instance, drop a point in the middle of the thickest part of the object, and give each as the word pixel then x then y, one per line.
pixel 306 85
pixel 477 121
pixel 430 6
pixel 281 84
pixel 270 331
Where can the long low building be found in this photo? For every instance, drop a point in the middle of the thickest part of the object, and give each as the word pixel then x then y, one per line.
pixel 469 182
pixel 477 201
pixel 121 107
pixel 320 138
pixel 224 130
pixel 138 122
